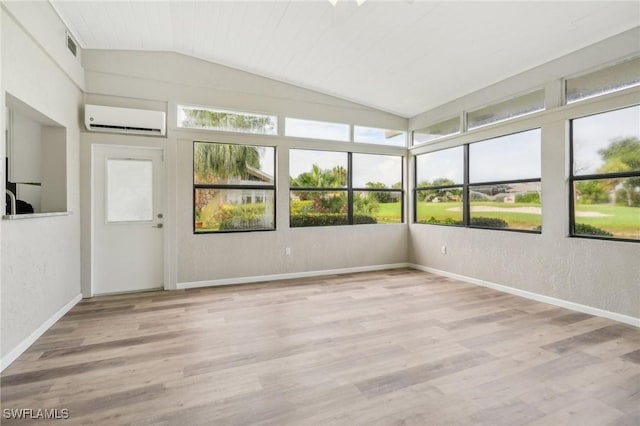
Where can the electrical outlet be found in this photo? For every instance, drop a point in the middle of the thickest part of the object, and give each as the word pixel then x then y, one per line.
pixel 287 251
pixel 443 249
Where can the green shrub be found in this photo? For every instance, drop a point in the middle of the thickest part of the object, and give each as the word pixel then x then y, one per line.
pixel 317 219
pixel 485 222
pixel 362 219
pixel 584 229
pixel 591 192
pixel 445 221
pixel 301 206
pixel 326 219
pixel 243 216
pixel 528 197
pixel 488 222
pixel 365 206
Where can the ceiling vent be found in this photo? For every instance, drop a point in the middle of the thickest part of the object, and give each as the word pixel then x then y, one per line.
pixel 98 118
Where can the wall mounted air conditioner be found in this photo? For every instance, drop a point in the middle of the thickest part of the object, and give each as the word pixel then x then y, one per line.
pixel 98 118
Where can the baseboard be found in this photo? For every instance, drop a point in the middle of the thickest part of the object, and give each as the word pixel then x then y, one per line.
pixel 535 296
pixel 24 345
pixel 288 276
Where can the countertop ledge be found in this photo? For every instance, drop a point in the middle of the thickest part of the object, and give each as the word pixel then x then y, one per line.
pixel 33 215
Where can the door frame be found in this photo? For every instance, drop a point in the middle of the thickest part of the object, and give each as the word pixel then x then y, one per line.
pixel 166 272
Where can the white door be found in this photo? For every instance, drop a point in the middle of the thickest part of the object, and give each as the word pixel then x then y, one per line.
pixel 128 233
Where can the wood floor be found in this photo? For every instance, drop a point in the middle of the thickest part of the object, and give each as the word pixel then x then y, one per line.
pixel 398 347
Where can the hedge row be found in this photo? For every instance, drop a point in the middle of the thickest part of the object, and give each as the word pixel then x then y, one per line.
pixel 488 222
pixel 485 222
pixel 584 229
pixel 327 219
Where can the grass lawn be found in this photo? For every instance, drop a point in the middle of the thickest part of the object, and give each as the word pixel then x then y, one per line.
pixel 453 210
pixel 439 211
pixel 622 222
pixel 389 213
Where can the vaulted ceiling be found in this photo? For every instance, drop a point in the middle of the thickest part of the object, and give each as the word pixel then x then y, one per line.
pixel 403 57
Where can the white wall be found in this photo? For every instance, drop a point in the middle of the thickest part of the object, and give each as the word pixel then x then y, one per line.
pixel 40 256
pixel 160 81
pixel 599 274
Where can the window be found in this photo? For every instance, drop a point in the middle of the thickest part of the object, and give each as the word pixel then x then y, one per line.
pixel 234 187
pixel 605 175
pixel 325 190
pixel 437 131
pixel 439 187
pixel 377 186
pixel 499 188
pixel 504 182
pixel 317 129
pixel 229 121
pixel 129 190
pixel 379 136
pixel 608 80
pixel 512 108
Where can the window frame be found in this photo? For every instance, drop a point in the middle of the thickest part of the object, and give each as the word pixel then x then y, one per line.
pixel 350 189
pixel 196 186
pixel 592 176
pixel 467 113
pixel 606 69
pixel 463 186
pixel 436 139
pixel 466 185
pixel 180 106
pixel 349 136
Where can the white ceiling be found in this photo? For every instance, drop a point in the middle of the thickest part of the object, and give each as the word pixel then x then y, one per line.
pixel 403 57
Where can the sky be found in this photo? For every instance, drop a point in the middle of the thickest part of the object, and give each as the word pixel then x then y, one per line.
pixel 366 167
pixel 595 132
pixel 316 129
pixel 376 168
pixel 447 163
pixel 378 136
pixel 267 159
pixel 510 157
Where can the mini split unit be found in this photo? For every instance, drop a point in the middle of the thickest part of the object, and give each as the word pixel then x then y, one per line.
pixel 98 118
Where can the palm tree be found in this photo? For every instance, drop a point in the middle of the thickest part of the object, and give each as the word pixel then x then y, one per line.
pixel 319 178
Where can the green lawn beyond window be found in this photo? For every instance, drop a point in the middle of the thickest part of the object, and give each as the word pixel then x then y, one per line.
pixel 524 216
pixel 620 221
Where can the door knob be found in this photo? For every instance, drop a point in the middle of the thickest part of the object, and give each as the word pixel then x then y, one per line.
pixel 158 225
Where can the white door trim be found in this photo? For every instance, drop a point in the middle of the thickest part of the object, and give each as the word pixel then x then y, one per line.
pixel 168 216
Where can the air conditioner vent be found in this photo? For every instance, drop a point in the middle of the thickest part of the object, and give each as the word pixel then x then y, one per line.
pixel 72 45
pixel 99 118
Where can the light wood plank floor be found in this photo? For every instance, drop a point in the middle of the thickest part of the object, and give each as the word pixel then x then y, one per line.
pixel 398 347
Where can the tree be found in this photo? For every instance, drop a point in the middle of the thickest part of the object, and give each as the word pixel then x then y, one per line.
pixel 591 192
pixel 213 162
pixel 227 120
pixel 329 202
pixel 319 178
pixel 379 196
pixel 622 155
pixel 443 194
pixel 443 182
